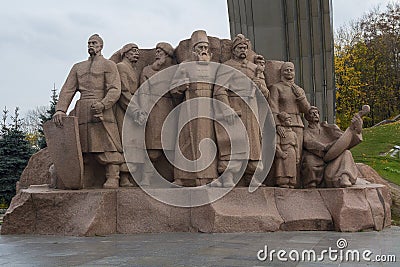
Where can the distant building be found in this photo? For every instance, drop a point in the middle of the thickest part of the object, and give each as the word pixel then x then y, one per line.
pixel 293 30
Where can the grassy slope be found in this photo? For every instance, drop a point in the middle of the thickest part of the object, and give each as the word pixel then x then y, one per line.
pixel 380 140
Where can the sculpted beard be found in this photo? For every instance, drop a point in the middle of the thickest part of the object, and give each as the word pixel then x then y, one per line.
pixel 159 63
pixel 203 56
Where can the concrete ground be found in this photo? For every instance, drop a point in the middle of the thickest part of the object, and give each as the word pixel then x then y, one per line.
pixel 197 249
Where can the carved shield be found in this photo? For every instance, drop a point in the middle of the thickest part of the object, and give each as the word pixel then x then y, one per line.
pixel 65 150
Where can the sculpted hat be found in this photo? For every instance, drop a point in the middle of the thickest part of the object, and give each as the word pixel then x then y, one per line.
pixel 199 36
pixel 258 57
pixel 240 39
pixel 128 47
pixel 287 64
pixel 97 37
pixel 166 47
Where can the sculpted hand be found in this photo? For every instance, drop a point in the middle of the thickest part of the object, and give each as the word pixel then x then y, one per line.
pixel 140 117
pixel 296 90
pixel 57 118
pixel 229 116
pixel 281 131
pixel 281 154
pixel 97 107
pixel 356 123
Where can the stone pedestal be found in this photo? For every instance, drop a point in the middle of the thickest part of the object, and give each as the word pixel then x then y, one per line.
pixel 40 210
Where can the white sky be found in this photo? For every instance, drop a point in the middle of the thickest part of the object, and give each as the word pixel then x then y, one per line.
pixel 40 40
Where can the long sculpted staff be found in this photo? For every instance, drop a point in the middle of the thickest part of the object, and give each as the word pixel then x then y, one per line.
pixel 99 84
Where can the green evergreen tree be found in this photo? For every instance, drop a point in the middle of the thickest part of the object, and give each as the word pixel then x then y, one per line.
pixel 15 152
pixel 47 116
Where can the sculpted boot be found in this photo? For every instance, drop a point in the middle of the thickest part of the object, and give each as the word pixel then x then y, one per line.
pixel 228 180
pixel 124 180
pixel 112 176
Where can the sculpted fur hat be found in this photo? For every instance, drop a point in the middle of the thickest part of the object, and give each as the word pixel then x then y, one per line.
pixel 240 39
pixel 166 47
pixel 127 47
pixel 199 36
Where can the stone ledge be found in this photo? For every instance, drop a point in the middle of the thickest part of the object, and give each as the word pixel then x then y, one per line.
pixel 39 210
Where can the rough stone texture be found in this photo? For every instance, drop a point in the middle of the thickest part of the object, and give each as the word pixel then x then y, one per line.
pixel 350 209
pixel 40 210
pixel 302 209
pixel 77 213
pixel 272 71
pixel 369 174
pixel 37 170
pixel 139 213
pixel 239 211
pixel 64 146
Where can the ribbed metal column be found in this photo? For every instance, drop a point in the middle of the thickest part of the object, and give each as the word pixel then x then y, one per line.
pixel 293 30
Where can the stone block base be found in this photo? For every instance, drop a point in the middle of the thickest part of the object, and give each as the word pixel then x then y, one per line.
pixel 40 210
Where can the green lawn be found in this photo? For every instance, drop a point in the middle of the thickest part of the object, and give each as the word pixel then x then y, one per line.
pixel 380 140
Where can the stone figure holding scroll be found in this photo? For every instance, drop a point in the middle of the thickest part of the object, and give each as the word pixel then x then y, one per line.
pixel 226 94
pixel 99 84
pixel 321 140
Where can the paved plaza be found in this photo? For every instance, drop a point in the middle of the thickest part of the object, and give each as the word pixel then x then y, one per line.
pixel 199 249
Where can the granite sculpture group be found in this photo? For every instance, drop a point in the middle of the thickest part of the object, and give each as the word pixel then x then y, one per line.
pixel 227 86
pixel 107 87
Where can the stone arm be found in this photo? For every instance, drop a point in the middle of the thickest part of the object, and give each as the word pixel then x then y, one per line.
pixel 301 98
pixel 112 85
pixel 314 146
pixel 274 103
pixel 221 94
pixel 179 84
pixel 262 86
pixel 279 153
pixel 68 91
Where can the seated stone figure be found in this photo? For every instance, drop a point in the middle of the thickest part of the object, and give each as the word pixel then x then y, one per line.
pixel 319 137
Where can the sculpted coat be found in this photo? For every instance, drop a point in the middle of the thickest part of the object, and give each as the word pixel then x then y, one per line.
pixel 198 129
pixel 96 79
pixel 129 85
pixel 161 109
pixel 241 108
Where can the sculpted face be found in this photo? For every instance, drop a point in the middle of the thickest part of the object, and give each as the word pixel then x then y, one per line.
pixel 261 64
pixel 288 121
pixel 94 46
pixel 161 56
pixel 240 51
pixel 201 50
pixel 314 115
pixel 132 55
pixel 288 72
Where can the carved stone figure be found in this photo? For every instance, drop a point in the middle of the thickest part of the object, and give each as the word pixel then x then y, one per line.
pixel 319 138
pixel 286 154
pixel 200 128
pixel 129 84
pixel 288 97
pixel 161 109
pixel 99 84
pixel 240 48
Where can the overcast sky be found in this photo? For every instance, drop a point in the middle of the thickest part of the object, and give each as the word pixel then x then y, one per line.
pixel 40 40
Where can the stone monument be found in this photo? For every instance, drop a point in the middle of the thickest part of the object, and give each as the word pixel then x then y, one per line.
pixel 217 91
